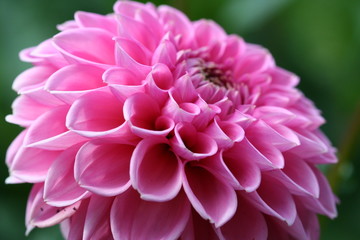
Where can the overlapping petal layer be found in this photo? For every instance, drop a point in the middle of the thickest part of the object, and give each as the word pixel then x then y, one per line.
pixel 144 125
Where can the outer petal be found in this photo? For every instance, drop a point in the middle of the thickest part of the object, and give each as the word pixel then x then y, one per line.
pixel 39 214
pixel 155 170
pixel 31 164
pixel 104 117
pixel 97 222
pixel 273 199
pixel 74 44
pixel 133 218
pixel 211 198
pixel 248 224
pixel 49 131
pixel 60 187
pixel 103 167
pixel 73 81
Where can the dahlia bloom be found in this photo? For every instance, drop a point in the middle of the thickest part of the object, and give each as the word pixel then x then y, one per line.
pixel 144 125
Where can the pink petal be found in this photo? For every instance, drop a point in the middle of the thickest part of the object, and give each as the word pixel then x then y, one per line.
pixel 143 114
pixel 225 133
pixel 283 77
pixel 272 198
pixel 49 131
pixel 60 187
pixel 165 53
pixel 242 167
pixel 32 164
pixel 178 24
pixel 32 78
pixel 208 32
pixel 298 177
pixel 132 29
pixel 160 81
pixel 247 222
pixel 92 20
pixel 155 170
pixel 190 144
pixel 25 111
pixel 211 198
pixel 75 45
pixel 67 84
pixel 40 214
pixel 97 222
pixel 103 167
pixel 77 221
pixel 281 137
pixel 103 118
pixel 133 218
pixel 134 50
pixel 14 148
pixel 326 202
pixel 199 228
pixel 267 150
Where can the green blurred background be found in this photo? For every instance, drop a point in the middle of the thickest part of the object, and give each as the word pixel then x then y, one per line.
pixel 317 39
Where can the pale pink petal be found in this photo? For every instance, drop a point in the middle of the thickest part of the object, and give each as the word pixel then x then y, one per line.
pixel 14 148
pixel 208 32
pixel 165 53
pixel 60 187
pixel 75 45
pixel 155 170
pixel 103 167
pixel 133 218
pixel 212 198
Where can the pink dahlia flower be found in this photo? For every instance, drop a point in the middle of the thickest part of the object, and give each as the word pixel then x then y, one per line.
pixel 144 125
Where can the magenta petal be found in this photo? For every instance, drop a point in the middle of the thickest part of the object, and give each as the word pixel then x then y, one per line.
pixel 133 218
pixel 165 53
pixel 67 84
pixel 103 118
pixel 211 198
pixel 40 214
pixel 192 145
pixel 75 45
pixel 103 167
pixel 97 222
pixel 247 222
pixel 272 198
pixel 60 187
pixel 155 170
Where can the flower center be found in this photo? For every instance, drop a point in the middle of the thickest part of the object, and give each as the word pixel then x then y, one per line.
pixel 213 73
